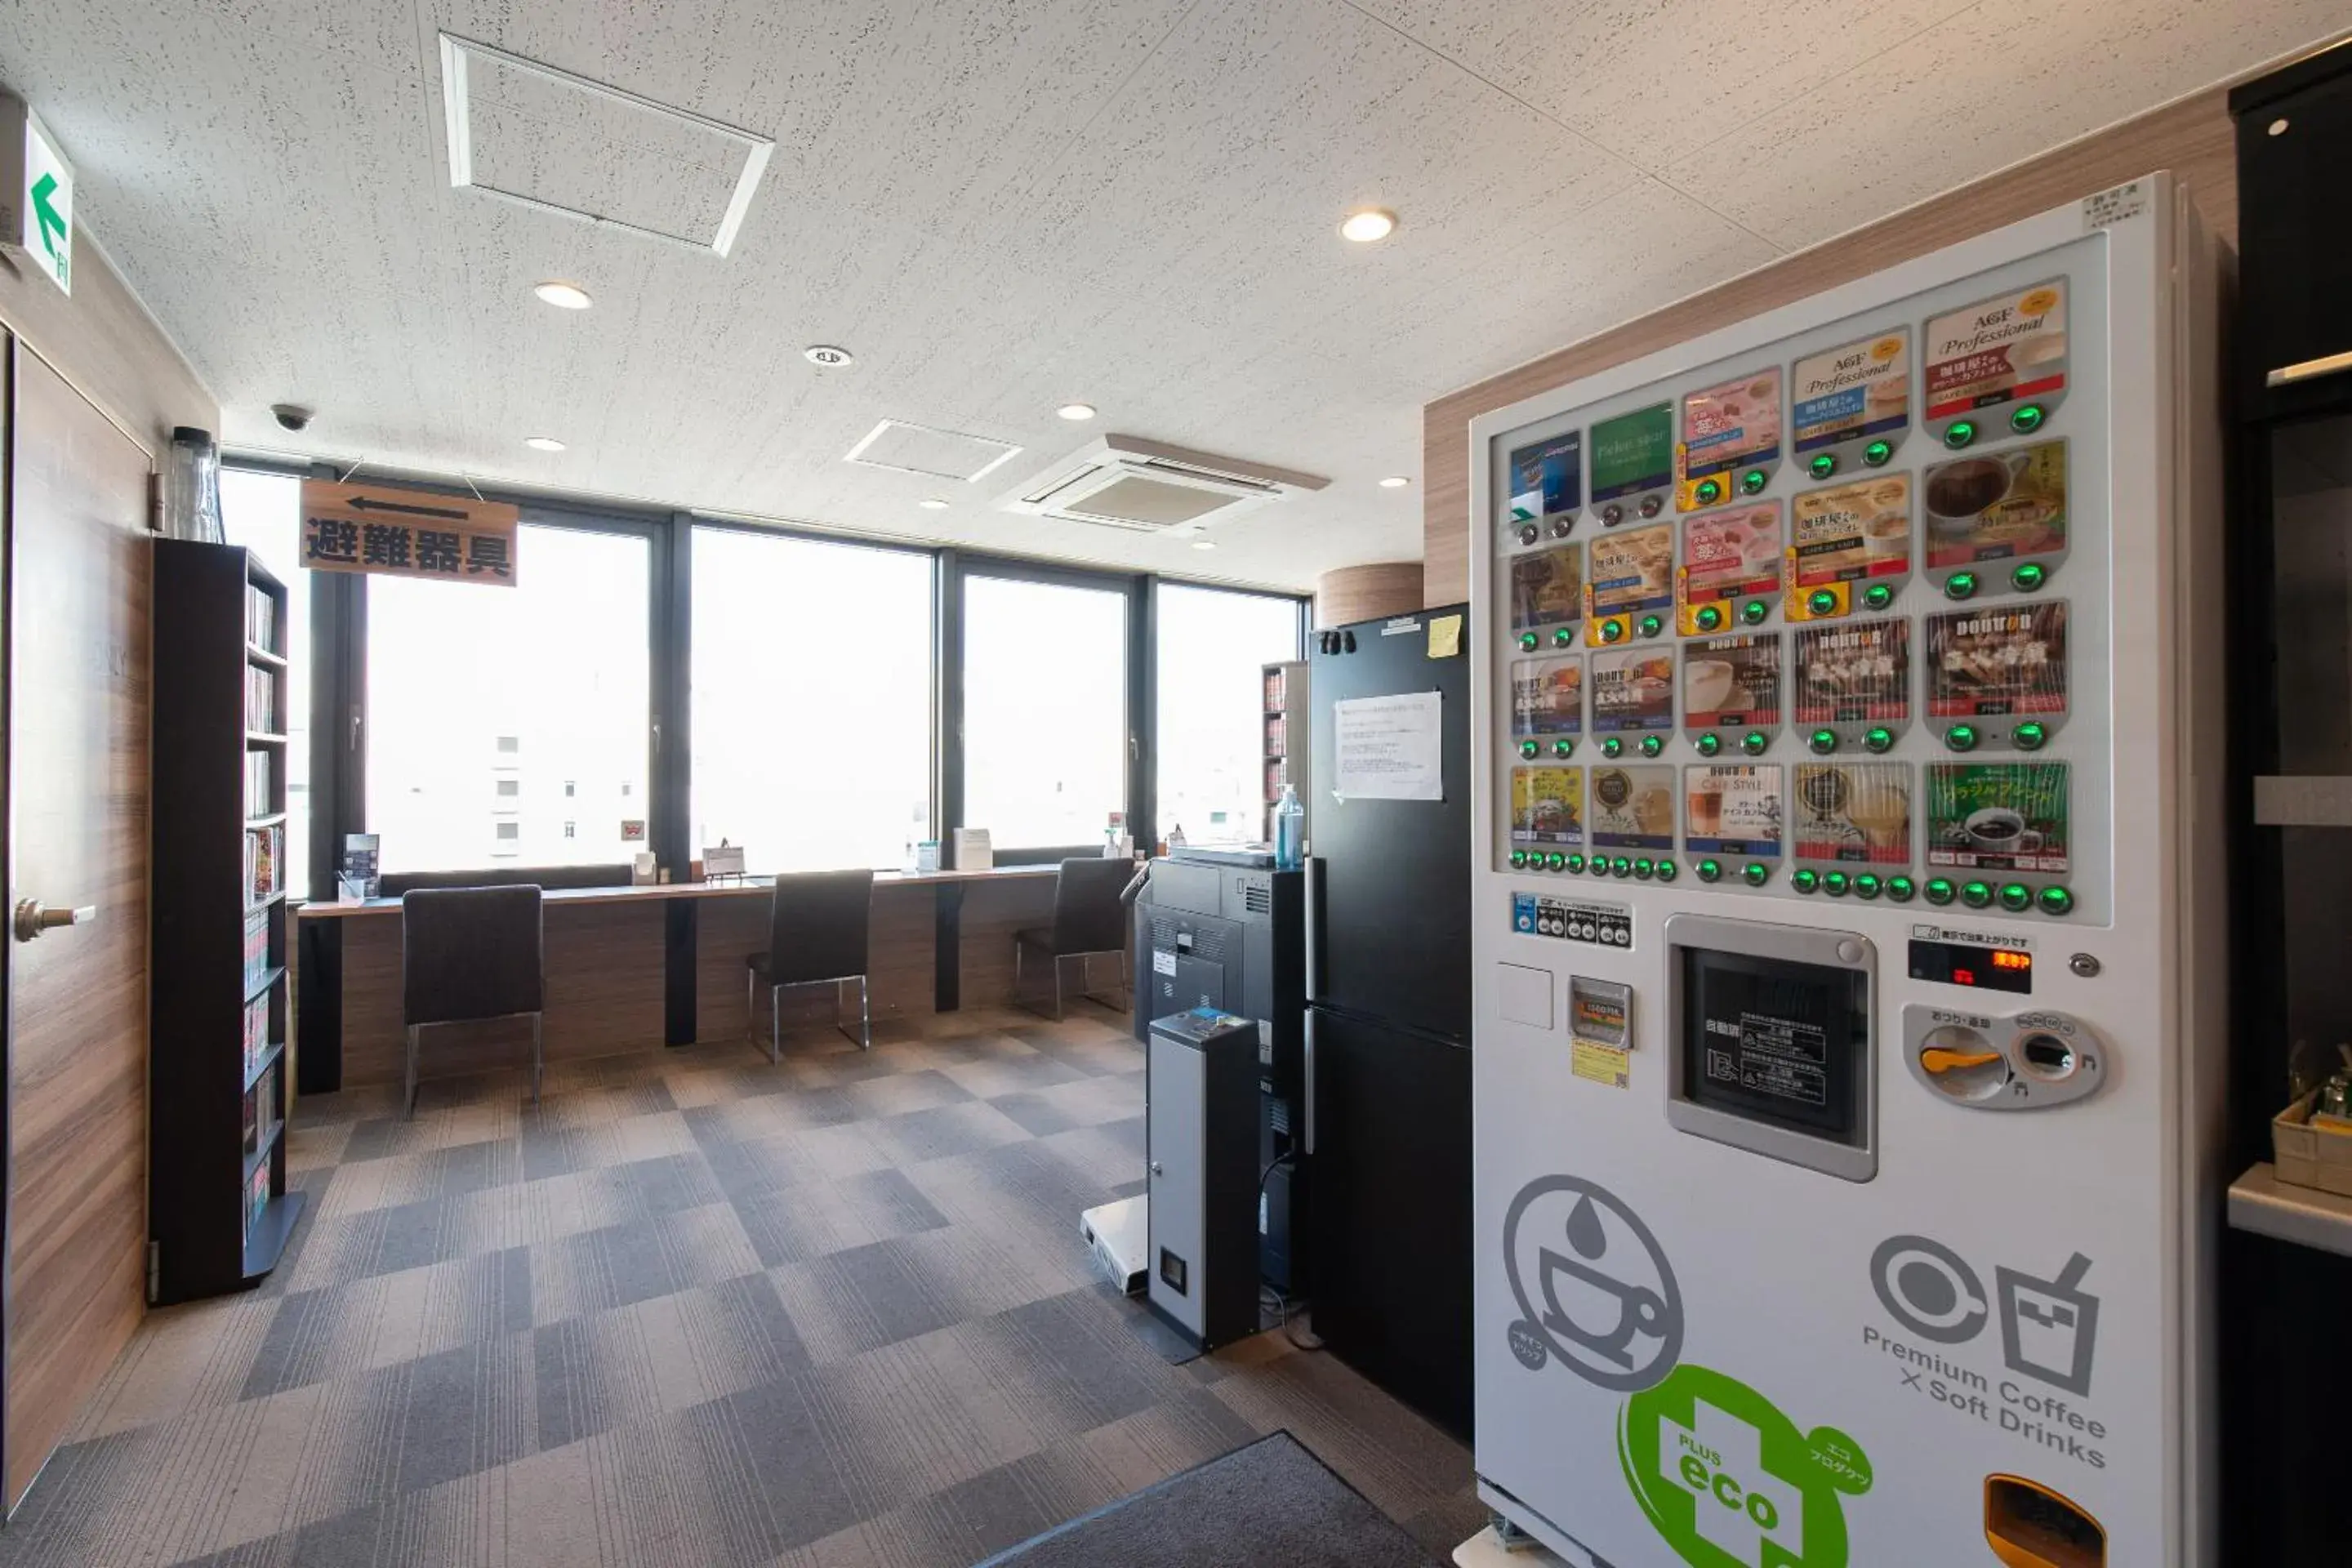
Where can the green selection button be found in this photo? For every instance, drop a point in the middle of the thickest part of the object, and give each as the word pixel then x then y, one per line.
pixel 1710 870
pixel 1754 611
pixel 1877 738
pixel 1652 624
pixel 2016 897
pixel 2030 736
pixel 1709 492
pixel 1822 602
pixel 1756 873
pixel 1563 748
pixel 1709 617
pixel 2027 418
pixel 1528 749
pixel 1866 886
pixel 1960 586
pixel 1821 742
pixel 1652 745
pixel 1754 742
pixel 1708 744
pixel 1961 737
pixel 2028 576
pixel 1976 895
pixel 1878 452
pixel 1940 891
pixel 1823 466
pixel 1960 433
pixel 2056 901
pixel 1527 642
pixel 1805 881
pixel 1753 482
pixel 1878 596
pixel 1900 889
pixel 1614 746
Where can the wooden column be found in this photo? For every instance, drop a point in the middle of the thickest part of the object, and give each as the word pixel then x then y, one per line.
pixel 1362 592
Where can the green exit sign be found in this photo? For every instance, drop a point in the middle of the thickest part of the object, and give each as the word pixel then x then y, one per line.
pixel 36 193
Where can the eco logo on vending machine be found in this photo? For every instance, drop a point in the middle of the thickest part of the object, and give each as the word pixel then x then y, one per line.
pixel 1730 1482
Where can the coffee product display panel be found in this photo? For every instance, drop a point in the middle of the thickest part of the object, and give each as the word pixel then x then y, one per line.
pixel 1842 707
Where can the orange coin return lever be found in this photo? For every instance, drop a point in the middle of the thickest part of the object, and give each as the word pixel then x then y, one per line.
pixel 2029 1526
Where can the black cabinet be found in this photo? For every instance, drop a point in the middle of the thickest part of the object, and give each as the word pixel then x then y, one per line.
pixel 2295 236
pixel 218 1214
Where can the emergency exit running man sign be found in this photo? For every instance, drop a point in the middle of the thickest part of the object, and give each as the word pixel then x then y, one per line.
pixel 394 532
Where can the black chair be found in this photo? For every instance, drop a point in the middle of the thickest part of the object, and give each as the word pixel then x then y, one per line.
pixel 817 928
pixel 469 954
pixel 1089 920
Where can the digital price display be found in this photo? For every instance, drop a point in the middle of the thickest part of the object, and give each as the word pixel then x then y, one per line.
pixel 1984 968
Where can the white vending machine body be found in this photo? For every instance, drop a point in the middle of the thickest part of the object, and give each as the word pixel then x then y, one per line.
pixel 1849 988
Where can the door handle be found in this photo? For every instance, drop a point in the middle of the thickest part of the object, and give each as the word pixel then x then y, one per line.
pixel 2310 369
pixel 33 919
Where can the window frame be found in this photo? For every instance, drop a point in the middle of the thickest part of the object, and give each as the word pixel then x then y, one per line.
pixel 1302 614
pixel 690 524
pixel 338 646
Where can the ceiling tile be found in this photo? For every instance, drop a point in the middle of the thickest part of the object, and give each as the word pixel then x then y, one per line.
pixel 1999 83
pixel 1654 79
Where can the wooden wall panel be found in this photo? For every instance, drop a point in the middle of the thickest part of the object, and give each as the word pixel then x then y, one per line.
pixel 1361 592
pixel 2191 138
pixel 605 991
pixel 102 341
pixel 902 944
pixel 992 911
pixel 79 575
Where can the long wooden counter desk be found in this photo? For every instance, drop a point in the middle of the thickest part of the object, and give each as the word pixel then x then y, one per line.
pixel 628 966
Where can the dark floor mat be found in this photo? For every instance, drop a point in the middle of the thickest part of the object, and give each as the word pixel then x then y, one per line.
pixel 1271 1505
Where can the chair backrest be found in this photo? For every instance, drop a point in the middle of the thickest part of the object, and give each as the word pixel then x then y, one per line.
pixel 1087 915
pixel 470 952
pixel 818 922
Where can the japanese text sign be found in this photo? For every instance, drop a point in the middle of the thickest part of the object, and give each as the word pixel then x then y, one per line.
pixel 400 532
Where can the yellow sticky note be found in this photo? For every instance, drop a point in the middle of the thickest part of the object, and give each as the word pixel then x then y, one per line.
pixel 1599 1064
pixel 1444 637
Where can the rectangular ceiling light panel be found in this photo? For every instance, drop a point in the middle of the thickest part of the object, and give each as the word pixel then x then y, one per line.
pixel 531 133
pixel 921 450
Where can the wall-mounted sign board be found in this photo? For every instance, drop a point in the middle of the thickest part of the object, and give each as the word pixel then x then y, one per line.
pixel 36 189
pixel 394 531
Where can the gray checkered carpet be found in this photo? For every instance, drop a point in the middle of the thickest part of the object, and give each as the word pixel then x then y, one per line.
pixel 697 1310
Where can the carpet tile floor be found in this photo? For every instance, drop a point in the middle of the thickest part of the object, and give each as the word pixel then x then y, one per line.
pixel 698 1310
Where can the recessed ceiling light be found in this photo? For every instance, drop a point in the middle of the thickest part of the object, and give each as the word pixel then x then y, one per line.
pixel 542 443
pixel 1395 482
pixel 935 503
pixel 1368 224
pixel 1076 410
pixel 562 295
pixel 1204 545
pixel 826 356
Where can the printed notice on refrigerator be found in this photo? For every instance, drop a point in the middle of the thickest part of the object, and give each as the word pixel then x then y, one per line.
pixel 1389 748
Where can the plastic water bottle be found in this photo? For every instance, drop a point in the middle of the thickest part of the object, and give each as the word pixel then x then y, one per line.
pixel 1289 831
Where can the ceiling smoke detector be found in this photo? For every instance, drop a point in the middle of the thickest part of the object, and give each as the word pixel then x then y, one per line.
pixel 1144 487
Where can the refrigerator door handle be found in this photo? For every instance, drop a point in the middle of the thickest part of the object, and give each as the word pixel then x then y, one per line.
pixel 1314 895
pixel 1306 1078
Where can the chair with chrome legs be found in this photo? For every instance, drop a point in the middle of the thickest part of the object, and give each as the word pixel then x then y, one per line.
pixel 469 954
pixel 1089 921
pixel 818 922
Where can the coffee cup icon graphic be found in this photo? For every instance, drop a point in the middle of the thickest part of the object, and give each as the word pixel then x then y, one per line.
pixel 1594 1290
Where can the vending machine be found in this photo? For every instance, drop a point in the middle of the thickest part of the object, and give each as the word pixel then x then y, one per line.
pixel 1848 923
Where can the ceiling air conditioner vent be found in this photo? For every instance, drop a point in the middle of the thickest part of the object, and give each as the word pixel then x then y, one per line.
pixel 1123 481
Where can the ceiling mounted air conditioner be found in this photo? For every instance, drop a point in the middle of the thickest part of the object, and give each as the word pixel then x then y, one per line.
pixel 1124 481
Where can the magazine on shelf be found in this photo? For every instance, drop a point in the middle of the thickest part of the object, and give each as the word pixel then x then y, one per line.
pixel 257 1032
pixel 260 701
pixel 256 1197
pixel 257 948
pixel 265 851
pixel 258 798
pixel 270 1118
pixel 260 619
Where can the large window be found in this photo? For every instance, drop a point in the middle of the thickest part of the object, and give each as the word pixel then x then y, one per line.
pixel 1211 707
pixel 1045 710
pixel 812 673
pixel 509 726
pixel 264 513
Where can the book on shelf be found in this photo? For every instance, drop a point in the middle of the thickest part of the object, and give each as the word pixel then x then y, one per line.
pixel 257 1032
pixel 252 1119
pixel 1276 734
pixel 257 948
pixel 264 855
pixel 260 618
pixel 257 797
pixel 256 1198
pixel 270 1117
pixel 1274 685
pixel 261 700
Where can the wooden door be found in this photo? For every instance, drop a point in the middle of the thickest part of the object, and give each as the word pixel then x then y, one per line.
pixel 76 585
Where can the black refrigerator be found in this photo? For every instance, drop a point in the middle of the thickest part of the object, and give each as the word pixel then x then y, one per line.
pixel 1389 1005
